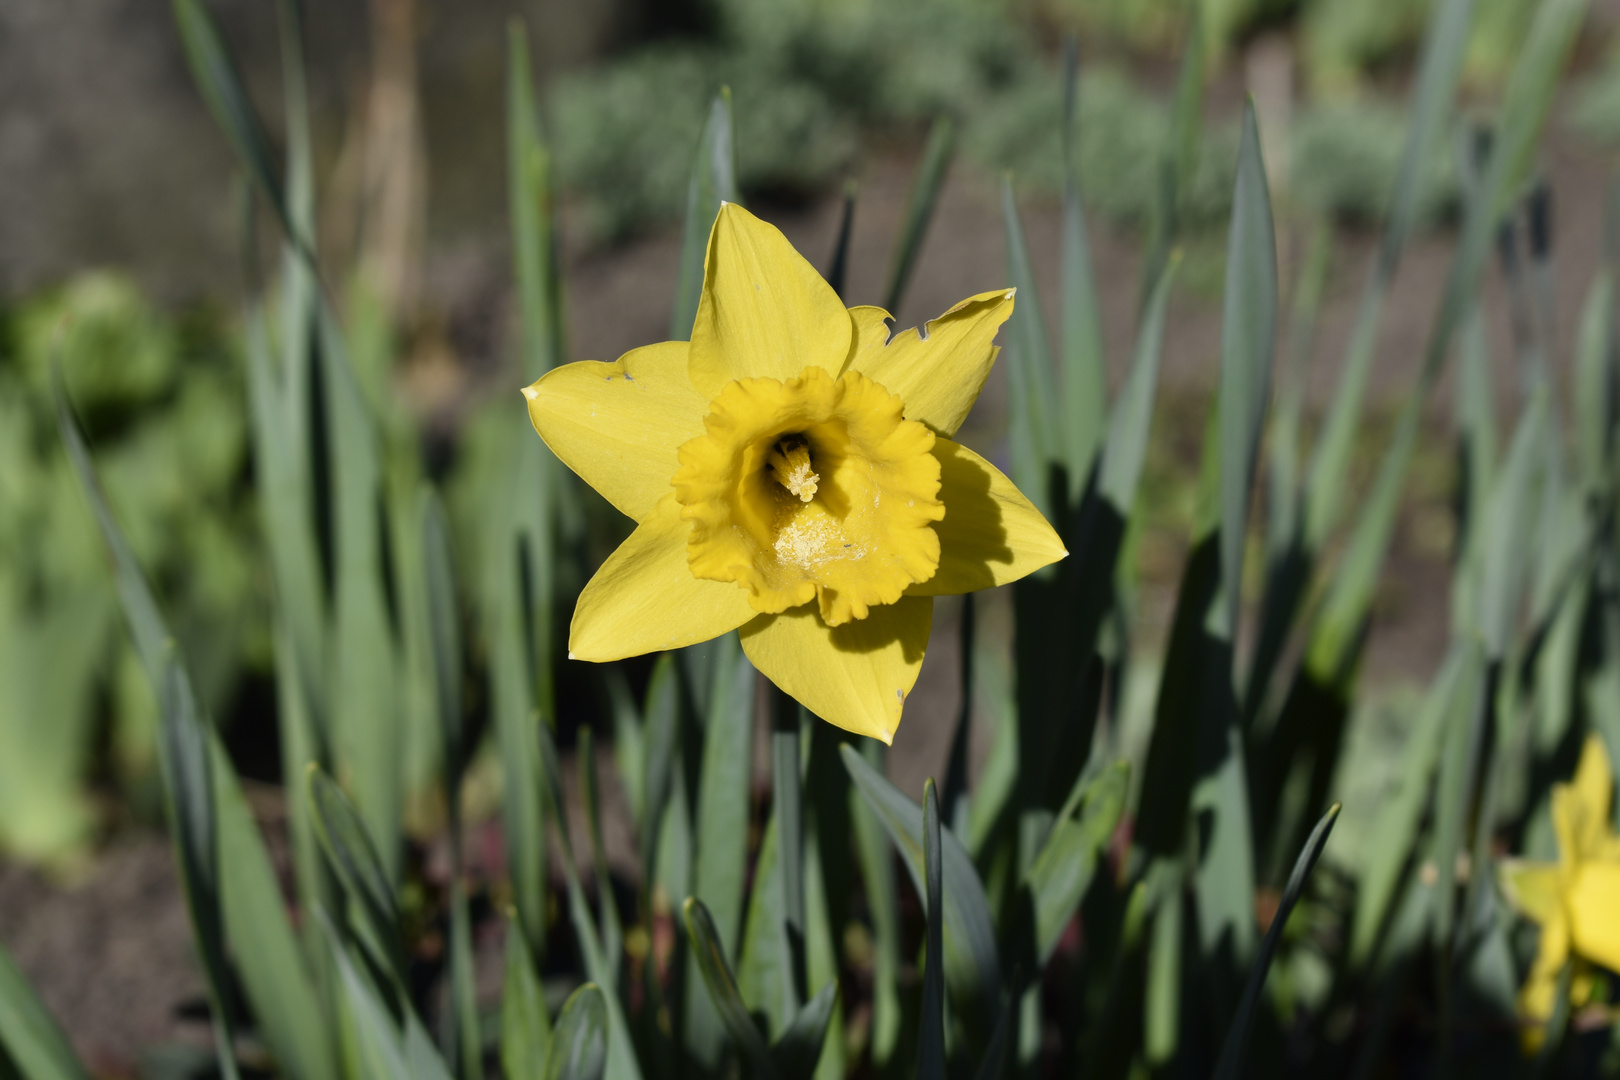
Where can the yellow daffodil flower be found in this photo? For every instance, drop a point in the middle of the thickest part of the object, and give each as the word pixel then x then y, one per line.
pixel 791 475
pixel 1576 900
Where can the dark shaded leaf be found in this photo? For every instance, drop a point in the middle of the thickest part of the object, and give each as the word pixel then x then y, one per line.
pixel 1062 870
pixel 354 861
pixel 931 1040
pixel 709 953
pixel 925 189
pixel 1230 1066
pixel 720 859
pixel 972 962
pixel 798 1049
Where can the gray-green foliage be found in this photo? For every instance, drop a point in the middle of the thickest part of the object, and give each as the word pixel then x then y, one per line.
pixel 1345 158
pixel 625 135
pixel 164 395
pixel 813 80
pixel 1121 134
pixel 805 76
pixel 1342 43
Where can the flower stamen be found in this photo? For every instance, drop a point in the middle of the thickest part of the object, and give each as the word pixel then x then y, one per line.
pixel 789 460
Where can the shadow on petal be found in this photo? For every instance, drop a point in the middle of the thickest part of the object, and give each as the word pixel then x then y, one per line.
pixel 855 676
pixel 991 534
pixel 885 626
pixel 973 535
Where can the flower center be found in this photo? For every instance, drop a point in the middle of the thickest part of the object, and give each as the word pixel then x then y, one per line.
pixel 816 488
pixel 789 461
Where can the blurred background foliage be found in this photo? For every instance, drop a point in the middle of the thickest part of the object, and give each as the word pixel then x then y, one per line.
pixel 164 395
pixel 817 76
pixel 818 85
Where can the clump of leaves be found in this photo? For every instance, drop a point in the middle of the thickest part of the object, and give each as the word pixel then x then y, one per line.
pixel 163 396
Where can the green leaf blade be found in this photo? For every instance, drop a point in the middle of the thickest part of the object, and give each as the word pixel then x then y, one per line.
pixel 29 1035
pixel 972 959
pixel 931 1040
pixel 920 206
pixel 579 1045
pixel 1230 1066
pixel 1248 333
pixel 714 181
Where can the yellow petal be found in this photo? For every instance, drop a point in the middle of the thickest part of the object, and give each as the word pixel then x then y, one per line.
pixel 1540 988
pixel 939 372
pixel 991 534
pixel 1594 913
pixel 1593 787
pixel 1533 888
pixel 619 425
pixel 765 312
pixel 855 676
pixel 1536 1000
pixel 1582 981
pixel 645 599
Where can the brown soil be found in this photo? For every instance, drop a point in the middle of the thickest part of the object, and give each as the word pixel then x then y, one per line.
pixel 110 954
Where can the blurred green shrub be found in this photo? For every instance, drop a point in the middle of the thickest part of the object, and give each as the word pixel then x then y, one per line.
pixel 1344 158
pixel 164 399
pixel 625 134
pixel 806 75
pixel 1595 111
pixel 810 75
pixel 1121 133
pixel 1341 42
pixel 1160 25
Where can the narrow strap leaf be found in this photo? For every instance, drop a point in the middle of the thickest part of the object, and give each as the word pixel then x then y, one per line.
pixel 1083 364
pixel 931 1040
pixel 227 99
pixel 29 1036
pixel 183 751
pixel 714 181
pixel 1032 379
pixel 525 1028
pixel 799 1048
pixel 925 189
pixel 787 803
pixel 1248 333
pixel 972 959
pixel 612 931
pixel 1063 868
pixel 838 268
pixel 578 1048
pixel 533 212
pixel 1230 1066
pixel 709 953
pixel 353 858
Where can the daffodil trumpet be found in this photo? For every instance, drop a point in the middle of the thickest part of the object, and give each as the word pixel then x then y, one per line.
pixel 792 477
pixel 1576 901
